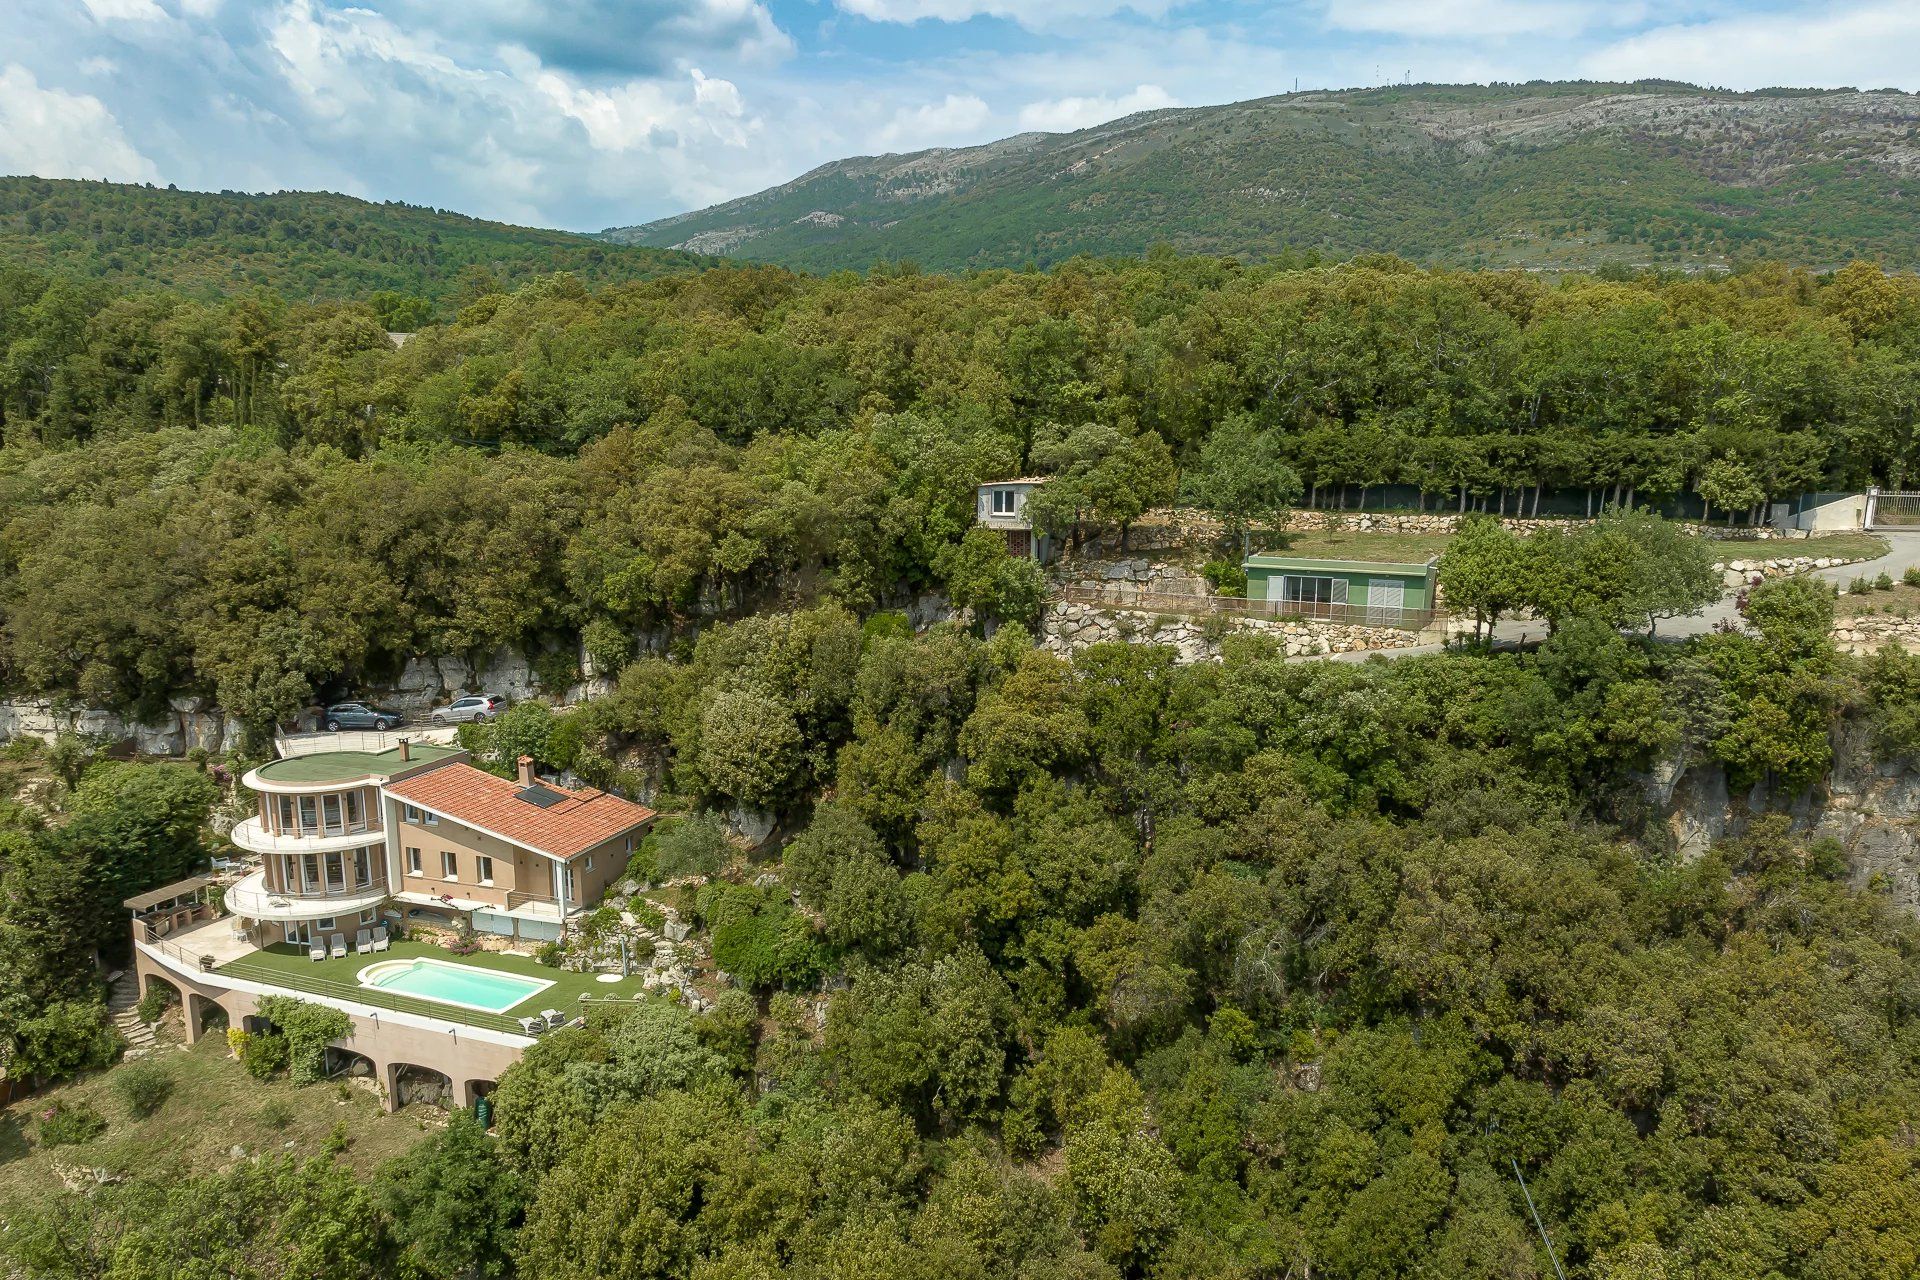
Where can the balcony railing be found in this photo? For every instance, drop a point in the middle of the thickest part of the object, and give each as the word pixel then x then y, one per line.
pixel 1355 615
pixel 253 899
pixel 144 931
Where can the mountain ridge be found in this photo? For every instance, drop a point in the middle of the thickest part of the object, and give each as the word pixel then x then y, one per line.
pixel 1564 175
pixel 311 244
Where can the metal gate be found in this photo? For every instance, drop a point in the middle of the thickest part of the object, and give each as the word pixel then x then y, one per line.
pixel 1895 511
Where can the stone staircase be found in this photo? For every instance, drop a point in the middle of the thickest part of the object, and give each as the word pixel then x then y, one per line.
pixel 123 993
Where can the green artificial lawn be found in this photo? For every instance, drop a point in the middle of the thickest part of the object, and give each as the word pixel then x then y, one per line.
pixel 349 766
pixel 291 968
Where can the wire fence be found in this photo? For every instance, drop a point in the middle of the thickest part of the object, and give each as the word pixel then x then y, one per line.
pixel 1357 615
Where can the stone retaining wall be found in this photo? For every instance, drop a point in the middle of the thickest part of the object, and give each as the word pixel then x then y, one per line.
pixel 1066 629
pixel 1740 573
pixel 1183 526
pixel 1870 631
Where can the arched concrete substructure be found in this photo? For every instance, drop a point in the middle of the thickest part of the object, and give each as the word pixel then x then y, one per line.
pixel 462 1056
pixel 350 1062
pixel 199 1008
pixel 411 1082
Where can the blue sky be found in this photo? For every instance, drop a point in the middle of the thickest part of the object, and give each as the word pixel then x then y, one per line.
pixel 589 113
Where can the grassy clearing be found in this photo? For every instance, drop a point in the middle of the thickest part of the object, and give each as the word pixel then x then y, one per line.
pixel 1349 544
pixel 214 1106
pixel 292 967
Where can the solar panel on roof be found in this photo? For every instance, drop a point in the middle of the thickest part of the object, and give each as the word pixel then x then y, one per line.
pixel 545 797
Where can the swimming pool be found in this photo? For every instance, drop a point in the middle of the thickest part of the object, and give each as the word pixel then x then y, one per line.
pixel 489 990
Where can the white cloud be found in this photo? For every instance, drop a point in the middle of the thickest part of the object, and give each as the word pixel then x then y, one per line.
pixel 1868 45
pixel 1429 19
pixel 1028 13
pixel 125 10
pixel 54 134
pixel 1064 115
pixel 957 120
pixel 98 66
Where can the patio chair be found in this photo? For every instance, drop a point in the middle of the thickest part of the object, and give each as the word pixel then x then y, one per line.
pixel 318 951
pixel 553 1017
pixel 363 942
pixel 339 946
pixel 380 939
pixel 532 1026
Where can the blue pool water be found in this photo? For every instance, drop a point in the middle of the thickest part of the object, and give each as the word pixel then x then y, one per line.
pixel 459 984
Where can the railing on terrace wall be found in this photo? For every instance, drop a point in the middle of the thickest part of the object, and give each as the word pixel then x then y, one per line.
pixel 268 974
pixel 145 932
pixel 1355 615
pixel 266 898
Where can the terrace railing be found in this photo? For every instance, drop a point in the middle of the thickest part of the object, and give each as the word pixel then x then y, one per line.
pixel 143 931
pixel 1199 606
pixel 266 974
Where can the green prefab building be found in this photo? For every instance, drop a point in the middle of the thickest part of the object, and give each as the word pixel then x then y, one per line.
pixel 1366 592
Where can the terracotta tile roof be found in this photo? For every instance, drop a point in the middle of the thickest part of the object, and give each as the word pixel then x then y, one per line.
pixel 575 822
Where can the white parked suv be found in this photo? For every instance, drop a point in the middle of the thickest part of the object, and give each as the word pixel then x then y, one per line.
pixel 478 706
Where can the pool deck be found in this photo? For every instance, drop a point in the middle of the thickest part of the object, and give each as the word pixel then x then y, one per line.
pixel 282 964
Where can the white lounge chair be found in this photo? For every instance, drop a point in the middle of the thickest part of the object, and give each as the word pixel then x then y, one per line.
pixel 318 951
pixel 532 1026
pixel 362 943
pixel 339 947
pixel 380 939
pixel 553 1017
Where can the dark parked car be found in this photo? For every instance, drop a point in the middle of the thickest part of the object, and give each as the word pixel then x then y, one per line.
pixel 477 707
pixel 358 715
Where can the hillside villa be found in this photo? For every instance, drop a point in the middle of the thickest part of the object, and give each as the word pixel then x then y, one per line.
pixel 1002 507
pixel 354 848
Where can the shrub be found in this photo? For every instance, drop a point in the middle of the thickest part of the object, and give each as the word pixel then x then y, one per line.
pixel 65 1124
pixel 1859 587
pixel 695 846
pixel 1884 582
pixel 64 1039
pixel 1912 576
pixel 556 671
pixel 608 644
pixel 647 914
pixel 276 1113
pixel 465 941
pixel 143 1086
pixel 307 1028
pixel 264 1055
pixel 153 1006
pixel 775 946
pixel 1226 577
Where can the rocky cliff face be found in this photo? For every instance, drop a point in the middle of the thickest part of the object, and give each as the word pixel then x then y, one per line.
pixel 1871 808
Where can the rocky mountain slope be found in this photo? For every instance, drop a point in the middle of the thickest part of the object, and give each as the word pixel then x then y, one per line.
pixel 1538 175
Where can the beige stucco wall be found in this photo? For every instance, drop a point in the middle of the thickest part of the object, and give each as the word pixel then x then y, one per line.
pixel 514 868
pixel 389 1044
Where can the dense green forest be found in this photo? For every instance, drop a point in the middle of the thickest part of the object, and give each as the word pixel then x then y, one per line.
pixel 1062 969
pixel 1552 176
pixel 1244 969
pixel 253 499
pixel 298 244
